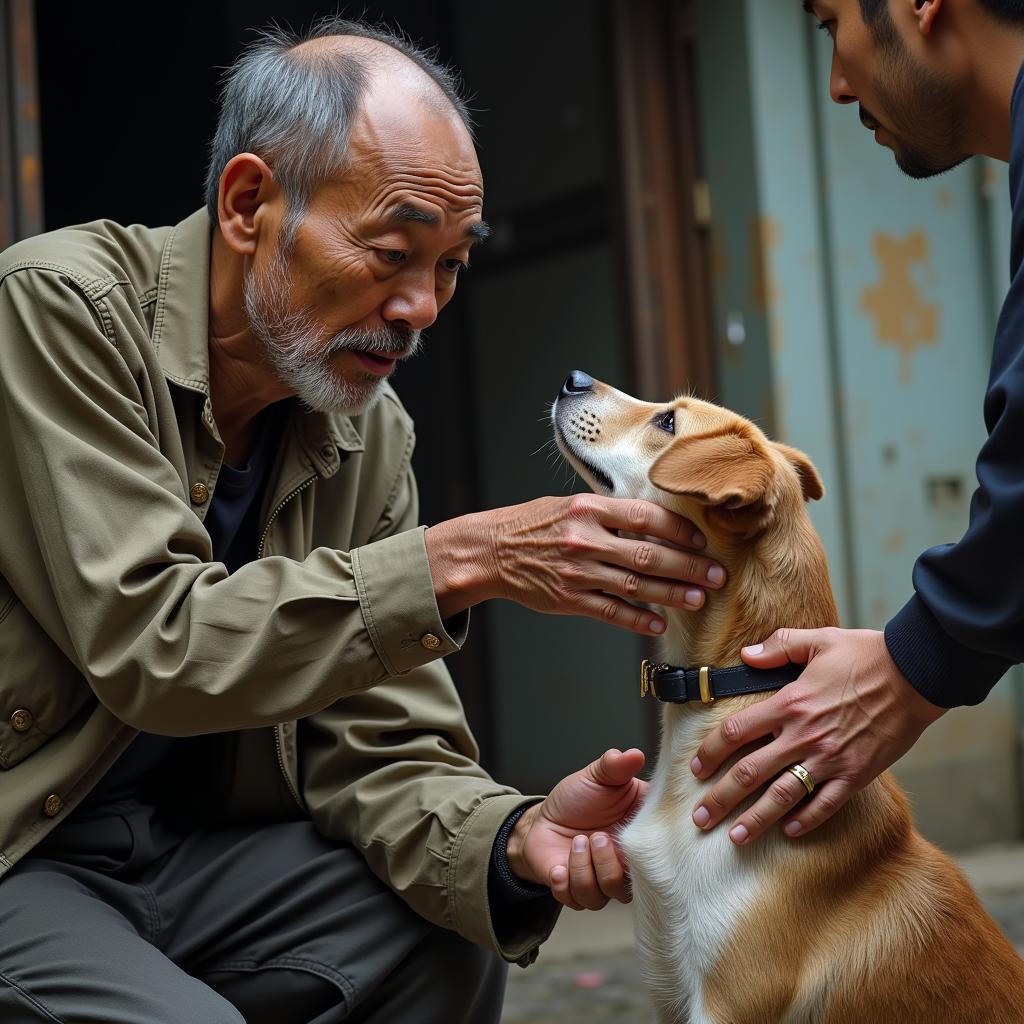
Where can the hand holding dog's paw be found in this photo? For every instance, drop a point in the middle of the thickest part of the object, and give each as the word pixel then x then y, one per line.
pixel 567 841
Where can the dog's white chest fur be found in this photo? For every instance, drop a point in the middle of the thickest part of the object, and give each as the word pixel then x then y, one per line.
pixel 690 887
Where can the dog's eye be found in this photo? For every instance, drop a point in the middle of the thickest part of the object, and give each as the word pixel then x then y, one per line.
pixel 666 421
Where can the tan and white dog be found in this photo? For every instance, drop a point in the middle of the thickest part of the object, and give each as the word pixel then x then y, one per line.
pixel 861 921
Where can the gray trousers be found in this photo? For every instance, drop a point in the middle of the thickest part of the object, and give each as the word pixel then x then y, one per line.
pixel 119 920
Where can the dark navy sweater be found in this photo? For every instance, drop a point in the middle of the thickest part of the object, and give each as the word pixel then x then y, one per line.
pixel 964 626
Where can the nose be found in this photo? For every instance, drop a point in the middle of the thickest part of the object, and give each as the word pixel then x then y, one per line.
pixel 838 87
pixel 577 383
pixel 414 304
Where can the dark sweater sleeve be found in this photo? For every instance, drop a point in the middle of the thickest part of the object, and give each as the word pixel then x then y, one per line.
pixel 964 626
pixel 505 890
pixel 517 907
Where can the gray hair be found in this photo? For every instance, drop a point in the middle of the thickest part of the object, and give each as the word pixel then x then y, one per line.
pixel 296 111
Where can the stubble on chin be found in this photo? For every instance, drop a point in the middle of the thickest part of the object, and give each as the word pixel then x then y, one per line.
pixel 927 127
pixel 300 354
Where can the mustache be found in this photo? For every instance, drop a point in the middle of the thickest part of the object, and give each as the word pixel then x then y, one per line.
pixel 868 119
pixel 390 340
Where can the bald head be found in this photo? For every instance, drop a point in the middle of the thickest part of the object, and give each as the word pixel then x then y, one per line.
pixel 385 67
pixel 293 101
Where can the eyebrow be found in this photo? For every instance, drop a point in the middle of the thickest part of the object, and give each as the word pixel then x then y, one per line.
pixel 809 6
pixel 406 212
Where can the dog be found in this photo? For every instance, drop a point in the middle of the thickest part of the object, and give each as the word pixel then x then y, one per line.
pixel 862 921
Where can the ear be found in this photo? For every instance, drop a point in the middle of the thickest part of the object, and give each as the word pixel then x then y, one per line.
pixel 246 184
pixel 926 11
pixel 730 470
pixel 810 482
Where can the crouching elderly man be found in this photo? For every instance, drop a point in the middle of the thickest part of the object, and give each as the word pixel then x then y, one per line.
pixel 237 782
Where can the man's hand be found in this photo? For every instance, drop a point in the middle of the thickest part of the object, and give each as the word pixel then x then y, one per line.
pixel 568 556
pixel 848 717
pixel 564 842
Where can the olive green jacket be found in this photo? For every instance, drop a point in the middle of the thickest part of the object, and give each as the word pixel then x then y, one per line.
pixel 115 618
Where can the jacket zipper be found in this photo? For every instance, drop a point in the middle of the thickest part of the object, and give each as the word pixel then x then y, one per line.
pixel 259 554
pixel 284 771
pixel 273 515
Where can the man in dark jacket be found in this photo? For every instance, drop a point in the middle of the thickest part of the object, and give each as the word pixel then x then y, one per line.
pixel 936 81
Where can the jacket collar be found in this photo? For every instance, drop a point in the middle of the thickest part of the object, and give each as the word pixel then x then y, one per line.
pixel 181 335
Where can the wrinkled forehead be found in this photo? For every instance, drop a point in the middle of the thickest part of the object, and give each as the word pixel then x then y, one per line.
pixel 424 169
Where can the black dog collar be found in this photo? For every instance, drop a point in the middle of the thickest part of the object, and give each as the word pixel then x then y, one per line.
pixel 675 685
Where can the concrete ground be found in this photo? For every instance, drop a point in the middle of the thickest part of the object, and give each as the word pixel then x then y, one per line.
pixel 588 972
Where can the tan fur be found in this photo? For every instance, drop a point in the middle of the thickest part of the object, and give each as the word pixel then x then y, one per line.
pixel 862 921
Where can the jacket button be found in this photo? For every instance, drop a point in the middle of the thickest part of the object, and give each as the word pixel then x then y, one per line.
pixel 200 494
pixel 53 805
pixel 21 720
pixel 430 641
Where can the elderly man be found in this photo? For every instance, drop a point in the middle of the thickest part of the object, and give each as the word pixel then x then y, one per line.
pixel 237 782
pixel 936 81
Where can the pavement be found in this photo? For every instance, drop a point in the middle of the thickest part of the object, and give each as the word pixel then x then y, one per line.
pixel 588 972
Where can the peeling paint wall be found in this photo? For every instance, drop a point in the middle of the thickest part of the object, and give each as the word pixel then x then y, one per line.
pixel 900 314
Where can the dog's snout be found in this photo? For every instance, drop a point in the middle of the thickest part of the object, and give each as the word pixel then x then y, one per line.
pixel 577 383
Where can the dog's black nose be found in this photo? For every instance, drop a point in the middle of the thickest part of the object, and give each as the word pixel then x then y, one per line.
pixel 577 383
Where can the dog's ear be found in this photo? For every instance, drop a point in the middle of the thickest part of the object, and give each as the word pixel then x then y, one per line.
pixel 810 482
pixel 726 469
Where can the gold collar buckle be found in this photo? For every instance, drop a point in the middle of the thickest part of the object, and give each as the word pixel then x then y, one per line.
pixel 647 671
pixel 648 676
pixel 704 681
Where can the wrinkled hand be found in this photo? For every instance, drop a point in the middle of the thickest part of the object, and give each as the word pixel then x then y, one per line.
pixel 849 716
pixel 566 556
pixel 580 555
pixel 564 842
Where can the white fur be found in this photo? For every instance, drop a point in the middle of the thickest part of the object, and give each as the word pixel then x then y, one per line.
pixel 690 887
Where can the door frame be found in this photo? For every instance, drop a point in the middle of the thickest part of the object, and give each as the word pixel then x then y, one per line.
pixel 21 186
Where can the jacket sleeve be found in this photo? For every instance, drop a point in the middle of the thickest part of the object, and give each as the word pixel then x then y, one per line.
pixel 964 626
pixel 100 543
pixel 394 771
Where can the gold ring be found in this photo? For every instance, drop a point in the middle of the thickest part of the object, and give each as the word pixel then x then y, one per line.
pixel 803 775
